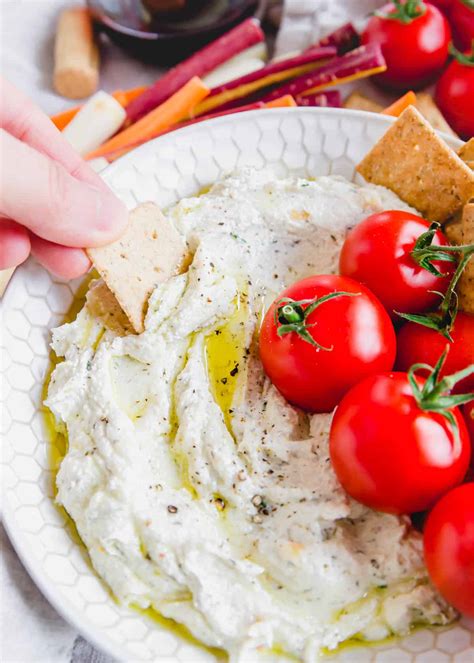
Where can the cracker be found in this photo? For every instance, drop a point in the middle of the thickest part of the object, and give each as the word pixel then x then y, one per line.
pixel 149 252
pixel 465 287
pixel 453 229
pixel 103 305
pixel 417 165
pixel 466 152
pixel 5 276
pixel 430 111
pixel 358 101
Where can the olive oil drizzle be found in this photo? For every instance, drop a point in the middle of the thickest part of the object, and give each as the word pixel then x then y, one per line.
pixel 180 631
pixel 225 348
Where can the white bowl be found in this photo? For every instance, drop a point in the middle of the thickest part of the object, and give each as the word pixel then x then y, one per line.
pixel 309 141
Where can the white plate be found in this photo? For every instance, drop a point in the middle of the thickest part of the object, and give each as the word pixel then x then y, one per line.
pixel 309 141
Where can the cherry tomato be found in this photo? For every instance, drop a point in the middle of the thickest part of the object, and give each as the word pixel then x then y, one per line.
pixel 389 453
pixel 377 252
pixel 419 344
pixel 449 547
pixel 455 92
pixel 461 17
pixel 355 336
pixel 414 38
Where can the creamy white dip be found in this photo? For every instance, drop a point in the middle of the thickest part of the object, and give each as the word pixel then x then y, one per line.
pixel 197 489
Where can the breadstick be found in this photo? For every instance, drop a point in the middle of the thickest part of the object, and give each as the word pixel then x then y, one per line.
pixel 76 70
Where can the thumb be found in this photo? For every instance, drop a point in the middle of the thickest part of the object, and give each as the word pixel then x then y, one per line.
pixel 14 244
pixel 40 194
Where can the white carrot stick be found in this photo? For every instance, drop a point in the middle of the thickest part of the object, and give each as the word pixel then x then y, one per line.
pixel 230 70
pixel 99 119
pixel 243 63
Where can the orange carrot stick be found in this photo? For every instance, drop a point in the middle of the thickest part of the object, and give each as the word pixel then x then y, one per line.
pixel 113 156
pixel 286 101
pixel 173 110
pixel 282 102
pixel 120 96
pixel 61 120
pixel 132 93
pixel 124 97
pixel 398 106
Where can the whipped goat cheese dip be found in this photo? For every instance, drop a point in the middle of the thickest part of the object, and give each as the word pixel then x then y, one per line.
pixel 197 489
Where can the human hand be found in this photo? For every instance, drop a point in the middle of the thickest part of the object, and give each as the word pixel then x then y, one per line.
pixel 52 203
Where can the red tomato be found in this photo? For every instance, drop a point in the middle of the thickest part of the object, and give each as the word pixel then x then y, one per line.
pixel 454 95
pixel 355 332
pixel 390 454
pixel 461 16
pixel 377 253
pixel 415 50
pixel 416 343
pixel 449 547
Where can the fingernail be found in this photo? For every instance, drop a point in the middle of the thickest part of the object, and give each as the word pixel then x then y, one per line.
pixel 76 265
pixel 111 218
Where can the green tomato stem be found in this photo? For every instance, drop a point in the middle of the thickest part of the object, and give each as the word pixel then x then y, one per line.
pixel 467 59
pixel 405 12
pixel 423 254
pixel 435 395
pixel 291 316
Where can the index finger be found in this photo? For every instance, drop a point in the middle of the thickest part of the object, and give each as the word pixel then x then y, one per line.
pixel 21 118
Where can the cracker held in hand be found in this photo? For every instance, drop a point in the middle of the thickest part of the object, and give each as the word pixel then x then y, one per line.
pixel 411 160
pixel 103 305
pixel 149 252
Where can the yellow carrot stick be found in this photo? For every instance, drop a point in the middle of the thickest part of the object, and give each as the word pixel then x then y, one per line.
pixel 398 106
pixel 245 90
pixel 173 110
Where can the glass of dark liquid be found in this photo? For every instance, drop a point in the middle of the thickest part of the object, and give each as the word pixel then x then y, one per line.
pixel 166 31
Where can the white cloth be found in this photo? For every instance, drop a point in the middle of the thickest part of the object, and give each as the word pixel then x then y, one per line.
pixel 306 21
pixel 32 631
pixel 27 43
